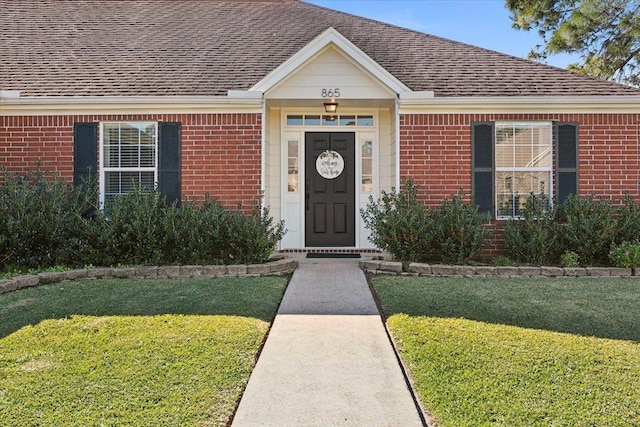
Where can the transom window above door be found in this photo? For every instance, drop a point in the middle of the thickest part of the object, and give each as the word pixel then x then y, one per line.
pixel 328 120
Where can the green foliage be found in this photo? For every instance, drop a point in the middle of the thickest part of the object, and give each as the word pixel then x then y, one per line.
pixel 587 228
pixel 628 221
pixel 400 224
pixel 253 237
pixel 459 230
pixel 626 254
pixel 502 261
pixel 569 259
pixel 579 232
pixel 605 33
pixel 45 222
pixel 210 234
pixel 132 228
pixel 453 232
pixel 532 239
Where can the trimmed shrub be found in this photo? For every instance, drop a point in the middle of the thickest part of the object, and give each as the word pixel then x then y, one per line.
pixel 131 228
pixel 628 221
pixel 44 222
pixel 400 224
pixel 252 237
pixel 143 230
pixel 532 238
pixel 587 228
pixel 454 232
pixel 210 234
pixel 459 230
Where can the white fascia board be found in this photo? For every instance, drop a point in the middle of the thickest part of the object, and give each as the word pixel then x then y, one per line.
pixel 317 45
pixel 77 105
pixel 519 104
pixel 417 95
pixel 244 94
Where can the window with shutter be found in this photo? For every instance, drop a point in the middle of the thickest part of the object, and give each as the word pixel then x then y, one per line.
pixel 129 158
pixel 511 161
pixel 523 153
pixel 132 154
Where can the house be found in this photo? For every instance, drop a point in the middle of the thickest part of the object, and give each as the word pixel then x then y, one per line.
pixel 314 108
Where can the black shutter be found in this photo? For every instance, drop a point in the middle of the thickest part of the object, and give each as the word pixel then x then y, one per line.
pixel 482 180
pixel 85 152
pixel 169 137
pixel 566 160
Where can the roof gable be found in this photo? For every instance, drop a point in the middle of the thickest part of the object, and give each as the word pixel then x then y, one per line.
pixel 317 52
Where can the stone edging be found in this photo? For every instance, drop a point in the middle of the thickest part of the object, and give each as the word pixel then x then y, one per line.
pixel 281 267
pixel 417 269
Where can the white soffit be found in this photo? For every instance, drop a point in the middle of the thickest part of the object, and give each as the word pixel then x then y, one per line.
pixel 315 47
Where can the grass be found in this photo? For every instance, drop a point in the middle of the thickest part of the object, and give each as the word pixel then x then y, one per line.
pixel 519 352
pixel 131 352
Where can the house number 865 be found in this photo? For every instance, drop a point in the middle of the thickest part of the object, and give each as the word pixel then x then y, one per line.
pixel 331 93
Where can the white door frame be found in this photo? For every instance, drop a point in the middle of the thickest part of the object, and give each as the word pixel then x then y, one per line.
pixel 292 202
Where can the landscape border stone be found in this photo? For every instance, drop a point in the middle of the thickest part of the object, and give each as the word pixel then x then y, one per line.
pixel 279 267
pixel 437 270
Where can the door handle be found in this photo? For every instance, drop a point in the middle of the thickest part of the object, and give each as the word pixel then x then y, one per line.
pixel 307 193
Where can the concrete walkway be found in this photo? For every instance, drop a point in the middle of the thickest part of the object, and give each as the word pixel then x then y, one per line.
pixel 327 360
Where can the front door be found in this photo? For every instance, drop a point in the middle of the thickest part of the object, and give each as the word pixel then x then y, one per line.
pixel 330 212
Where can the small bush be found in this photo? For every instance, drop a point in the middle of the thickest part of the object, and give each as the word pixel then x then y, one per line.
pixel 400 224
pixel 628 221
pixel 626 254
pixel 459 231
pixel 533 239
pixel 132 228
pixel 569 259
pixel 210 234
pixel 587 228
pixel 43 221
pixel 454 232
pixel 253 237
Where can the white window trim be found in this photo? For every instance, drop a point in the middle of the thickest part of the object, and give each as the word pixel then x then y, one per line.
pixel 549 169
pixel 103 169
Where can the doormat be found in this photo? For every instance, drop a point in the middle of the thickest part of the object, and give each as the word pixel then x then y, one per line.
pixel 331 255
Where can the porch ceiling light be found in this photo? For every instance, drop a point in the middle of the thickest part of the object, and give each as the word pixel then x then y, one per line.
pixel 331 107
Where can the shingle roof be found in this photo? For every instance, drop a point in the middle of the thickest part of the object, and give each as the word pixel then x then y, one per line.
pixel 206 47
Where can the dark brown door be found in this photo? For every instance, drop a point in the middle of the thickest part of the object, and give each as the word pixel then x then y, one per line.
pixel 330 202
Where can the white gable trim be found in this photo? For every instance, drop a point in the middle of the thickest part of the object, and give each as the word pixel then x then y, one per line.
pixel 315 47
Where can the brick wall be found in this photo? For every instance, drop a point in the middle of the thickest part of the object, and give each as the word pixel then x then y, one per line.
pixel 220 152
pixel 435 151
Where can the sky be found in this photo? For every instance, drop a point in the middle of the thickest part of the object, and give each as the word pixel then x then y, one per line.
pixel 483 23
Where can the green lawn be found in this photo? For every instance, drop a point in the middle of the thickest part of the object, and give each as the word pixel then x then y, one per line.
pixel 519 352
pixel 131 352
